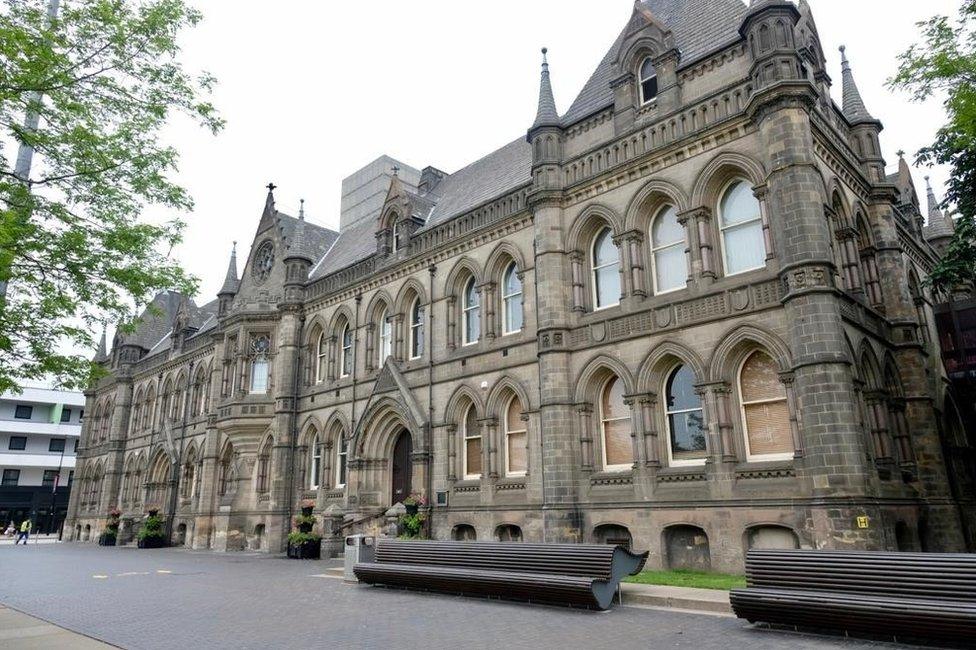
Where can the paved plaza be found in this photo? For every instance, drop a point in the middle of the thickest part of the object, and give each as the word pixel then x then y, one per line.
pixel 176 598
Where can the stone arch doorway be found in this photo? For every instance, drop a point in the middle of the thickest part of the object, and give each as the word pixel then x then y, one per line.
pixel 401 467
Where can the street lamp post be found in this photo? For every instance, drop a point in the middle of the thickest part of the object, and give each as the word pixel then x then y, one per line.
pixel 54 489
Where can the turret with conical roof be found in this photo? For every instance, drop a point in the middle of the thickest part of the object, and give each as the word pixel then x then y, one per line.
pixel 939 227
pixel 545 134
pixel 865 129
pixel 101 355
pixel 229 288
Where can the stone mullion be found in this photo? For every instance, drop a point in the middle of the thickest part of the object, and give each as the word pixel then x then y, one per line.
pixel 584 414
pixel 788 382
pixel 370 346
pixel 761 194
pixel 452 325
pixel 706 246
pixel 633 241
pixel 488 309
pixel 693 252
pixel 879 429
pixel 647 402
pixel 636 430
pixel 579 303
pixel 452 461
pixel 489 446
pixel 396 325
pixel 626 262
pixel 333 349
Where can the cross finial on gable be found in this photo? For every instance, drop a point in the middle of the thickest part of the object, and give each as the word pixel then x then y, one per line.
pixel 271 187
pixel 396 170
pixel 900 153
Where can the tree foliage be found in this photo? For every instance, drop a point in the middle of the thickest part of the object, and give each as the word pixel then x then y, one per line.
pixel 944 65
pixel 104 77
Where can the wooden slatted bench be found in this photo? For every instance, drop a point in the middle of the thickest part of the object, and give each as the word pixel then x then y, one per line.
pixel 929 596
pixel 579 575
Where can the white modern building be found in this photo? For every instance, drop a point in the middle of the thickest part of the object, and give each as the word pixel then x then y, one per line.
pixel 39 433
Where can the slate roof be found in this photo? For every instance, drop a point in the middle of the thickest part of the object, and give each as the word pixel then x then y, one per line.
pixel 355 242
pixel 312 241
pixel 497 173
pixel 698 26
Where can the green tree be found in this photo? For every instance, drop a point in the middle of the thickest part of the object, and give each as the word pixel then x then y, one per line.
pixel 97 81
pixel 944 65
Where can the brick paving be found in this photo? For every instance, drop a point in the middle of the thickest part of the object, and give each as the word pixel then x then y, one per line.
pixel 175 598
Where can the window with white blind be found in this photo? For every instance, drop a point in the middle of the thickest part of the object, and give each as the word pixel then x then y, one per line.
pixel 764 411
pixel 618 449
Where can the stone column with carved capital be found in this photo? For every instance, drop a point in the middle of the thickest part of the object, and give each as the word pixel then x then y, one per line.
pixel 584 414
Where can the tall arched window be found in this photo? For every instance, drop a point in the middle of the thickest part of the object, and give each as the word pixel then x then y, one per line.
pixel 223 470
pixel 386 337
pixel 259 364
pixel 686 421
pixel 648 81
pixel 315 466
pixel 471 313
pixel 765 414
pixel 321 358
pixel 618 450
pixel 606 270
pixel 342 454
pixel 416 329
pixel 264 468
pixel 516 461
pixel 668 257
pixel 345 351
pixel 512 300
pixel 472 445
pixel 740 219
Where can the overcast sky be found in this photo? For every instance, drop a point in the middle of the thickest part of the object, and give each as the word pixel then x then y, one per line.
pixel 311 91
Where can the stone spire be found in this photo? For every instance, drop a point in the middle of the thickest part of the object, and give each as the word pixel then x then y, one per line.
pixel 102 353
pixel 547 114
pixel 854 109
pixel 935 212
pixel 298 246
pixel 230 281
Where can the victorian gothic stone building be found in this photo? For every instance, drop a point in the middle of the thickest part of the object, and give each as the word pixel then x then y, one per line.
pixel 686 315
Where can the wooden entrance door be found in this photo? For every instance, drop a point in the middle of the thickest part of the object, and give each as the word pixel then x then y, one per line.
pixel 402 468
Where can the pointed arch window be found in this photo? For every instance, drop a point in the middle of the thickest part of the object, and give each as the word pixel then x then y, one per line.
pixel 416 329
pixel 321 358
pixel 740 220
pixel 618 450
pixel 648 81
pixel 606 270
pixel 472 445
pixel 669 260
pixel 395 236
pixel 685 418
pixel 765 413
pixel 386 337
pixel 345 352
pixel 260 365
pixel 342 455
pixel 315 465
pixel 516 460
pixel 512 300
pixel 264 469
pixel 471 313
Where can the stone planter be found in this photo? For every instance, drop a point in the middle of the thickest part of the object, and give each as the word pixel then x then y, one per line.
pixel 412 508
pixel 106 539
pixel 305 551
pixel 152 542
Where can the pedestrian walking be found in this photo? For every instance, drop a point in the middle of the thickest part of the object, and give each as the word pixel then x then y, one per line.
pixel 25 529
pixel 10 529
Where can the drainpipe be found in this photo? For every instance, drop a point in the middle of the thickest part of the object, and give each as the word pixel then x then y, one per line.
pixel 294 425
pixel 542 455
pixel 429 434
pixel 174 492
